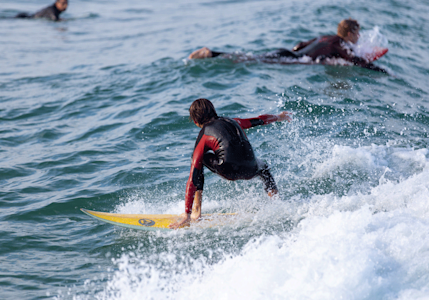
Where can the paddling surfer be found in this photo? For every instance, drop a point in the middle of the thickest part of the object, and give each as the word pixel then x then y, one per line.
pixel 319 49
pixel 51 12
pixel 222 147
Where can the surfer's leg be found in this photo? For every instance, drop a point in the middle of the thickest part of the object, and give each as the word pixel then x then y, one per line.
pixel 210 160
pixel 270 186
pixel 23 16
pixel 216 53
pixel 286 53
pixel 280 53
pixel 225 170
pixel 375 68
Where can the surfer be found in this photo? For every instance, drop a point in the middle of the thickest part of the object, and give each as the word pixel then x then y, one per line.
pixel 320 49
pixel 223 147
pixel 51 12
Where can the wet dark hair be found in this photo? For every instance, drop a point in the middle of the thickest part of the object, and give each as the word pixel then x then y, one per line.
pixel 346 26
pixel 202 111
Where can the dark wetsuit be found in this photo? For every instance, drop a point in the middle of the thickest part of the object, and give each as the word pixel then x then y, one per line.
pixel 50 12
pixel 323 47
pixel 214 53
pixel 223 147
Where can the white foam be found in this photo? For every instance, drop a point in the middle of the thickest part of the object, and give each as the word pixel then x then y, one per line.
pixel 346 157
pixel 371 245
pixel 371 159
pixel 347 255
pixel 369 40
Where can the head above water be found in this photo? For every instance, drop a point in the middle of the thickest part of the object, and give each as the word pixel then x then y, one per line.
pixel 202 111
pixel 349 30
pixel 61 4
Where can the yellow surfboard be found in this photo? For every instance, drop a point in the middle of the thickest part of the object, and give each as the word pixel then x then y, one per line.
pixel 156 222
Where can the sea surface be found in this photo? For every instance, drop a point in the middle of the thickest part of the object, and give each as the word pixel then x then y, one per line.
pixel 94 114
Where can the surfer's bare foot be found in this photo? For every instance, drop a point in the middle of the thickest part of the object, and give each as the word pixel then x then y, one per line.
pixel 201 53
pixel 185 219
pixel 272 193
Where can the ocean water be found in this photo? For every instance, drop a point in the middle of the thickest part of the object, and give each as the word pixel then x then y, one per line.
pixel 94 114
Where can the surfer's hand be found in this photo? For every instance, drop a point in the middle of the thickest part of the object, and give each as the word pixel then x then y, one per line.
pixel 285 115
pixel 183 220
pixel 201 53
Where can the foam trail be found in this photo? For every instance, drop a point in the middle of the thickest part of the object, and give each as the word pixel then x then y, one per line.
pixel 379 251
pixel 373 246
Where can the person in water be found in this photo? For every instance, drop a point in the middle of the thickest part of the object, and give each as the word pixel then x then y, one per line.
pixel 318 49
pixel 51 12
pixel 223 147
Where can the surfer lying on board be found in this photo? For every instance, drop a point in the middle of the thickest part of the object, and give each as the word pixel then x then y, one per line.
pixel 223 147
pixel 320 49
pixel 51 12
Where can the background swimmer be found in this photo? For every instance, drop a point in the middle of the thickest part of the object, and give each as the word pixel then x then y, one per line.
pixel 51 12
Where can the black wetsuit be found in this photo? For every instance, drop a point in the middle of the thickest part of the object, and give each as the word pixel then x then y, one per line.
pixel 318 49
pixel 214 53
pixel 323 47
pixel 223 147
pixel 50 13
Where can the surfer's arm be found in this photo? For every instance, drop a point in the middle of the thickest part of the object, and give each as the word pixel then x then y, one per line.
pixel 196 209
pixel 264 120
pixel 186 218
pixel 358 61
pixel 195 181
pixel 194 186
pixel 192 191
pixel 302 45
pixel 196 176
pixel 24 16
pixel 361 62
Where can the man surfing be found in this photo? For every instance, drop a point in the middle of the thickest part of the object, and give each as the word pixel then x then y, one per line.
pixel 223 147
pixel 320 49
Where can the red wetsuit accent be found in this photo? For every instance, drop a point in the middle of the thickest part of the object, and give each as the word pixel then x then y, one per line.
pixel 222 146
pixel 261 120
